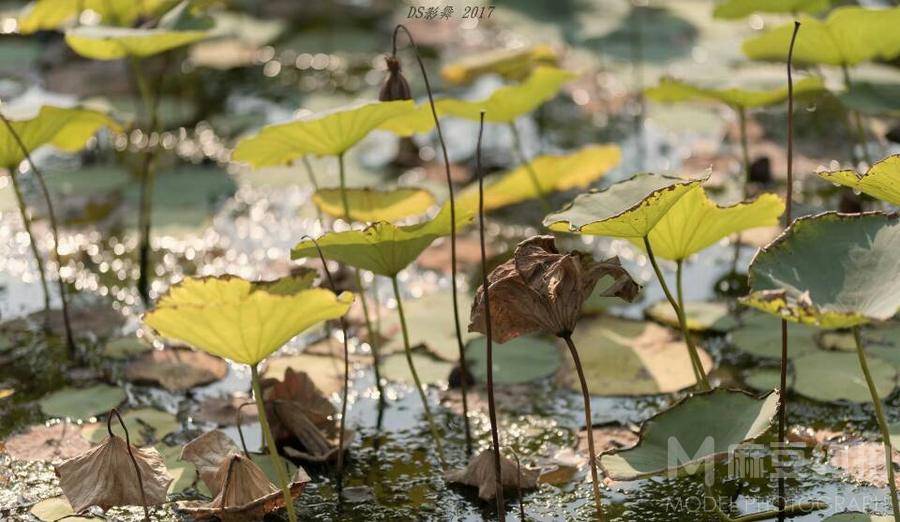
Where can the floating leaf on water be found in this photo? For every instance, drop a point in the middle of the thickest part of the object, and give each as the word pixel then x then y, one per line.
pixel 144 425
pixel 318 436
pixel 701 316
pixel 881 181
pixel 511 64
pixel 58 508
pixel 435 331
pixel 705 425
pixel 82 403
pixel 326 372
pixel 734 9
pixel 520 360
pixel 124 348
pixel 849 35
pixel 176 369
pixel 382 247
pixel 629 358
pixel 554 173
pixel 209 314
pixel 760 335
pixel 630 208
pixel 223 411
pixel 480 473
pixel 672 90
pixel 49 443
pixel 430 369
pixel 371 204
pixel 184 474
pixel 831 270
pixel 325 134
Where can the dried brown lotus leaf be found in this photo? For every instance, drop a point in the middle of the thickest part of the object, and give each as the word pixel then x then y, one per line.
pixel 319 444
pixel 223 411
pixel 207 453
pixel 298 386
pixel 104 476
pixel 480 473
pixel 176 369
pixel 53 443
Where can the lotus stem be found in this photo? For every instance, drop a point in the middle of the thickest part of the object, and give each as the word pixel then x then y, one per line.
pixel 699 374
pixel 519 487
pixel 595 478
pixel 453 269
pixel 239 423
pixel 311 176
pixel 745 160
pixel 532 175
pixel 488 334
pixel 137 469
pixel 695 357
pixel 407 350
pixel 882 422
pixel 270 443
pixel 857 119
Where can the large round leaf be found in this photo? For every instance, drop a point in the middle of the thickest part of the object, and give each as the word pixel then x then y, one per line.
pixel 734 9
pixel 144 425
pixel 523 359
pixel 694 223
pixel 43 15
pixel 881 181
pixel 672 90
pixel 369 204
pixel 82 403
pixel 630 208
pixel 701 316
pixel 325 134
pixel 760 335
pixel 622 357
pixel 430 370
pixel 429 321
pixel 700 428
pixel 513 64
pixel 240 320
pixel 382 247
pixel 554 173
pixel 113 43
pixel 832 270
pixel 848 36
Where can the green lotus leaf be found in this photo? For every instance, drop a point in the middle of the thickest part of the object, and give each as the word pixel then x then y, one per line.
pixel 879 99
pixel 435 331
pixel 369 204
pixel 82 403
pixel 694 223
pixel 325 134
pixel 881 181
pixel 621 357
pixel 734 9
pixel 853 516
pixel 67 129
pixel 706 426
pixel 630 208
pixel 419 120
pixel 702 316
pixel 760 335
pixel 831 270
pixel 521 360
pixel 509 102
pixel 512 64
pixel 382 248
pixel 554 173
pixel 138 422
pixel 113 43
pixel 672 90
pixel 240 320
pixel 848 36
pixel 431 370
pixel 43 15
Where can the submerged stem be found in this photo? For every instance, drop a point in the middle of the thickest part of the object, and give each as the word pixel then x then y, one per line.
pixel 26 222
pixel 270 443
pixel 532 175
pixel 595 478
pixel 453 271
pixel 415 375
pixel 882 422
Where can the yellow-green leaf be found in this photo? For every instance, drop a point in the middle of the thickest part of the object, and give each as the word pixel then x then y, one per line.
pixel 630 208
pixel 241 320
pixel 382 248
pixel 43 15
pixel 734 9
pixel 417 121
pixel 64 128
pixel 694 223
pixel 326 134
pixel 112 43
pixel 511 101
pixel 369 204
pixel 511 64
pixel 672 90
pixel 554 173
pixel 848 36
pixel 881 181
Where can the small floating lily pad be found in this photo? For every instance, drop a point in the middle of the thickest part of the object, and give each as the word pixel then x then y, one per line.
pixel 520 360
pixel 760 335
pixel 53 443
pixel 431 370
pixel 82 403
pixel 57 508
pixel 144 425
pixel 701 315
pixel 429 320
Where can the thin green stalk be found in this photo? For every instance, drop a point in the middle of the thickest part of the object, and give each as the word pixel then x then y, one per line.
pixel 26 221
pixel 270 443
pixel 415 375
pixel 745 159
pixel 532 175
pixel 311 176
pixel 882 422
pixel 695 361
pixel 857 119
pixel 692 350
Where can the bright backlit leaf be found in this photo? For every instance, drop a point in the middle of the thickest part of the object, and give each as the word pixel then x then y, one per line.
pixel 43 15
pixel 672 90
pixel 694 223
pixel 520 360
pixel 831 270
pixel 554 173
pixel 706 426
pixel 241 320
pixel 67 129
pixel 630 208
pixel 734 9
pixel 325 134
pixel 881 181
pixel 848 36
pixel 370 204
pixel 512 64
pixel 382 248
pixel 113 43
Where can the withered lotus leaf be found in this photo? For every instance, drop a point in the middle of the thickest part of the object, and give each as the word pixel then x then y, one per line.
pixel 480 473
pixel 207 453
pixel 299 387
pixel 104 476
pixel 542 290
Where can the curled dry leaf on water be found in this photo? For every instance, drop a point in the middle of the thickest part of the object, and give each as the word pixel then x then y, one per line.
pixel 222 411
pixel 480 473
pixel 542 290
pixel 176 369
pixel 49 443
pixel 318 442
pixel 299 387
pixel 104 476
